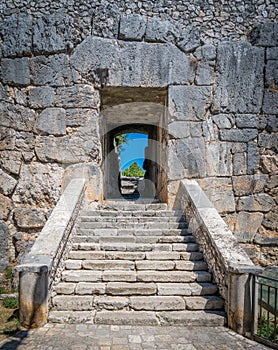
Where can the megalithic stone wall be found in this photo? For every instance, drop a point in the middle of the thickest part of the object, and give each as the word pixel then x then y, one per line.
pixel 219 64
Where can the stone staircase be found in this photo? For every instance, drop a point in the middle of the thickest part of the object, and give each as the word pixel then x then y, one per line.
pixel 136 264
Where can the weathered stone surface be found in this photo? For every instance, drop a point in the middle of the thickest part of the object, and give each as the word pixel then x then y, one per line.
pixel 270 220
pixel 263 240
pixel 17 117
pixel 189 102
pixel 161 276
pixel 186 158
pixel 5 207
pixel 259 202
pixel 66 149
pixel 79 303
pixel 245 225
pixel 238 135
pixel 106 20
pixel 268 141
pixel 29 218
pixel 52 70
pixel 210 131
pixel 252 157
pixel 218 159
pixel 157 303
pixel 65 288
pixel 247 121
pixel 206 52
pixel 204 74
pixel 160 30
pixel 121 288
pixel 272 53
pixel 45 188
pixel 52 121
pixel 248 185
pixel 189 39
pixel 239 84
pixel 73 264
pixel 265 34
pixel 108 265
pixel 7 183
pixel 270 102
pixel 132 27
pixel 90 288
pixel 96 56
pixel 142 318
pixel 16 71
pixel 191 318
pixel 110 303
pixel 204 303
pixel 79 116
pixel 55 33
pixel 224 121
pixel 10 160
pixel 77 96
pixel 7 138
pixel 271 73
pixel 239 164
pixel 219 191
pixel 4 246
pixel 179 129
pixel 17 34
pixel 41 97
pixel 116 276
pixel 81 276
pixel 269 163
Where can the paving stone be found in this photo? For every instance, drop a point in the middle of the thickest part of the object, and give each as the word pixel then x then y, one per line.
pixel 192 318
pixel 157 303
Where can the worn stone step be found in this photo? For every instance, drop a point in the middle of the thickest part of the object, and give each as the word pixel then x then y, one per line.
pixel 81 276
pixel 173 276
pixel 124 220
pixel 170 265
pixel 107 232
pixel 132 225
pixel 74 303
pixel 131 206
pixel 135 288
pixel 135 239
pixel 143 247
pixel 134 213
pixel 126 255
pixel 204 303
pixel 186 289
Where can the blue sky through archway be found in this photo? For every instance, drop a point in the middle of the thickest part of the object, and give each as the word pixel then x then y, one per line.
pixel 134 150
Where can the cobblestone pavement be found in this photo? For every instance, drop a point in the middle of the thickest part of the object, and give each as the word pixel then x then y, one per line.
pixel 100 337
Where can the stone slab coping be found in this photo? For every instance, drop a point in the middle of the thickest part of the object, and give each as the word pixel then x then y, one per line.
pixel 234 257
pixel 45 248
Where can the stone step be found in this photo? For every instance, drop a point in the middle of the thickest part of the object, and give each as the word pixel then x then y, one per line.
pixel 141 318
pixel 146 276
pixel 106 232
pixel 137 213
pixel 132 225
pixel 131 219
pixel 135 239
pixel 126 255
pixel 123 205
pixel 143 247
pixel 136 303
pixel 99 288
pixel 159 265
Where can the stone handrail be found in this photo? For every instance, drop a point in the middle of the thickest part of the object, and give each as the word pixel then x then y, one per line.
pixel 229 264
pixel 37 270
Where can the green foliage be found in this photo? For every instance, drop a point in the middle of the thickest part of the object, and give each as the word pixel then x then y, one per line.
pixel 9 273
pixel 134 170
pixel 10 303
pixel 267 332
pixel 2 290
pixel 121 140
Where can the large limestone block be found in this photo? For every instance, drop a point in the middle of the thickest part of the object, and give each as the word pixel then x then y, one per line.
pixel 259 202
pixel 238 135
pixel 265 34
pixel 17 117
pixel 54 70
pixel 45 180
pixel 77 96
pixel 41 97
pixel 239 84
pixel 17 34
pixel 189 39
pixel 52 121
pixel 16 71
pixel 270 102
pixel 7 138
pixel 132 27
pixel 220 193
pixel 157 303
pixel 29 218
pixel 186 158
pixel 118 63
pixel 218 159
pixel 5 207
pixel 159 30
pixel 246 185
pixel 7 183
pixel 189 102
pixel 79 303
pixel 110 303
pixel 10 160
pixel 224 121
